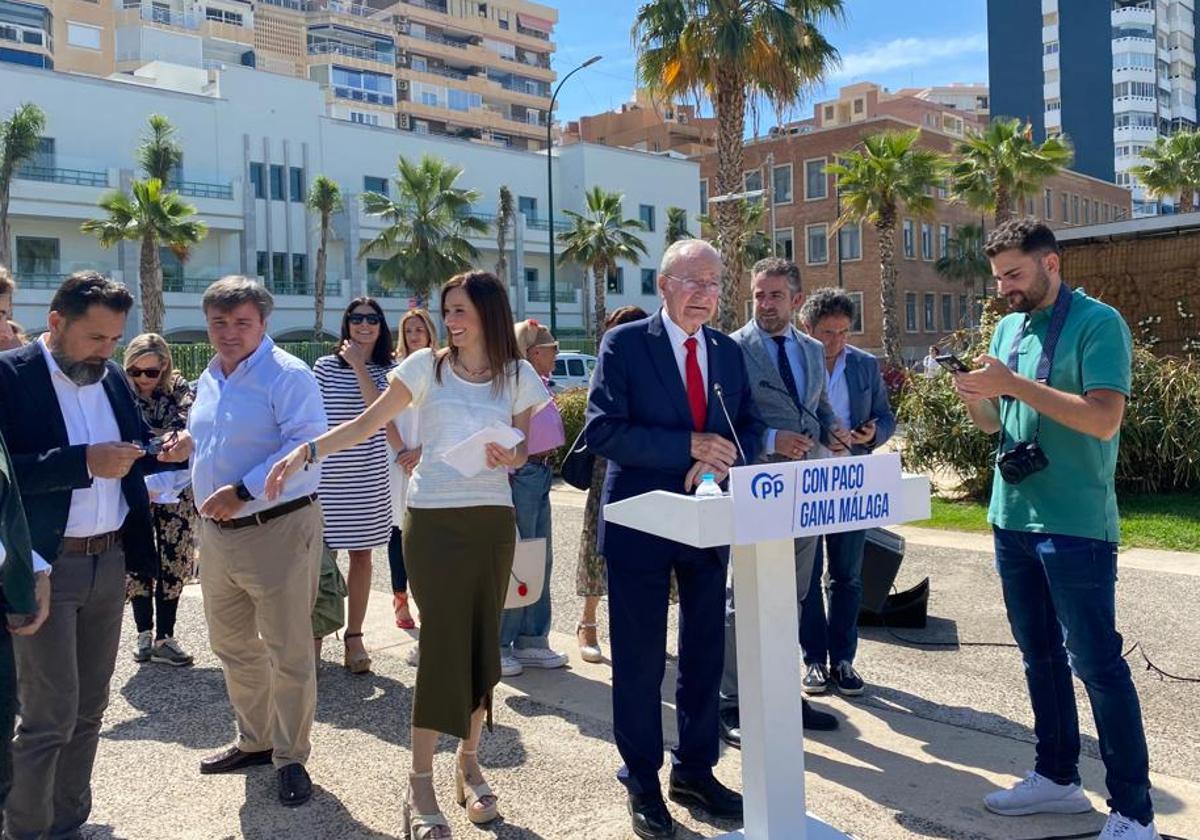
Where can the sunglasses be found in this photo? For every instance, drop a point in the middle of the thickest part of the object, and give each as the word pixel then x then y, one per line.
pixel 357 318
pixel 149 373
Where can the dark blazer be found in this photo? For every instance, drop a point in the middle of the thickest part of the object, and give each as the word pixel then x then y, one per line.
pixel 16 579
pixel 868 397
pixel 48 468
pixel 638 417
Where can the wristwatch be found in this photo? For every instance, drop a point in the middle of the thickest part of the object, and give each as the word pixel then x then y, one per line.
pixel 243 493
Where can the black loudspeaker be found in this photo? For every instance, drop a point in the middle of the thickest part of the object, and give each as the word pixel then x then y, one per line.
pixel 882 556
pixel 908 609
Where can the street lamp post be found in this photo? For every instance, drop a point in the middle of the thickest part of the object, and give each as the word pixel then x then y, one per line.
pixel 550 185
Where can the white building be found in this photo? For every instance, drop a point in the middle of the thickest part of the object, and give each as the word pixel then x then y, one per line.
pixel 252 143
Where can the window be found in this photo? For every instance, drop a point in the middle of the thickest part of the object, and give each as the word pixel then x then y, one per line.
pixel 752 180
pixel 1050 48
pixel 649 281
pixel 1049 205
pixel 926 241
pixel 816 185
pixel 850 243
pixel 260 265
pixel 531 278
pixel 784 245
pixel 646 216
pixel 82 35
pixel 364 118
pixel 909 245
pixel 37 255
pixel 1054 104
pixel 172 270
pixel 1087 212
pixel 818 244
pixel 1075 209
pixel 277 183
pixel 943 239
pixel 963 315
pixel 528 206
pixel 299 272
pixel 279 268
pixel 858 106
pixel 947 313
pixel 1066 215
pixel 930 326
pixel 373 184
pixel 910 312
pixel 222 16
pixel 616 281
pixel 703 195
pixel 363 86
pixel 256 179
pixel 781 184
pixel 296 183
pixel 856 326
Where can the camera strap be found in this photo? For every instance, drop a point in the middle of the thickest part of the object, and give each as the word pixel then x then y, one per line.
pixel 1058 319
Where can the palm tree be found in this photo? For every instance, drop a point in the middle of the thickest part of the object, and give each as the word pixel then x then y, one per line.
pixel 156 217
pixel 428 225
pixel 505 212
pixel 1172 168
pixel 752 243
pixel 888 170
pixel 598 240
pixel 1002 166
pixel 20 137
pixel 677 225
pixel 159 154
pixel 733 52
pixel 964 260
pixel 324 199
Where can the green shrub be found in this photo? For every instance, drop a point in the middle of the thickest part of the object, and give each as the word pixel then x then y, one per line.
pixel 571 405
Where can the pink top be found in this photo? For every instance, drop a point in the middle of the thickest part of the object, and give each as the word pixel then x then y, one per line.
pixel 546 430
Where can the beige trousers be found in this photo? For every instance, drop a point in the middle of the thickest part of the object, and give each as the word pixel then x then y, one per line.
pixel 259 586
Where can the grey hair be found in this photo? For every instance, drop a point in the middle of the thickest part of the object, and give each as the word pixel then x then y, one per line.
pixel 825 302
pixel 683 249
pixel 779 267
pixel 230 292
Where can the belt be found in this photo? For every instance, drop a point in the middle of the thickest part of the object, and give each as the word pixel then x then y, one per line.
pixel 267 515
pixel 544 458
pixel 98 544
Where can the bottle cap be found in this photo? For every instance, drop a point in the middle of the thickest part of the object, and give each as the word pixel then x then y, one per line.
pixel 708 477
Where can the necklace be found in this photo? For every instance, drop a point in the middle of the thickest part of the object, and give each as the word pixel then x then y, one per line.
pixel 471 373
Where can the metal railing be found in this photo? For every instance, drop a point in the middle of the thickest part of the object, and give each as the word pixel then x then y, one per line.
pixel 432 5
pixel 444 71
pixel 168 17
pixel 58 175
pixel 352 51
pixel 305 287
pixel 540 294
pixel 39 281
pixel 200 189
pixel 438 39
pixel 360 95
pixel 377 289
pixel 533 33
pixel 187 285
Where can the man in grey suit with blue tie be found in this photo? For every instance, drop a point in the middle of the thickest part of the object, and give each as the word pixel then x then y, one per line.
pixel 787 379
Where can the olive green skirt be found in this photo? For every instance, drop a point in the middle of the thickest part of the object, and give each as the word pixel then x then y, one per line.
pixel 458 561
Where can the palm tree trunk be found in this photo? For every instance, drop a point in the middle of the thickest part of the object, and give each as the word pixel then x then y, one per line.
pixel 5 254
pixel 150 271
pixel 1004 210
pixel 599 278
pixel 1185 201
pixel 731 119
pixel 319 282
pixel 886 228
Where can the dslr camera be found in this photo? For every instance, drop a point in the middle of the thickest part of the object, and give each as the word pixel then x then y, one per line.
pixel 1022 461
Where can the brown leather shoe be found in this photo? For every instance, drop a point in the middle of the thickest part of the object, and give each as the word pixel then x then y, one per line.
pixel 232 758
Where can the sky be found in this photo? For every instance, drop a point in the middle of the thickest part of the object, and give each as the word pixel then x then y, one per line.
pixel 897 43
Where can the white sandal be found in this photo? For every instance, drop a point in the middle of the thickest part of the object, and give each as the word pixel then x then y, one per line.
pixel 589 653
pixel 422 826
pixel 469 795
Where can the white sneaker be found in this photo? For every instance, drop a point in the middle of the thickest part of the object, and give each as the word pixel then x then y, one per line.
pixel 1035 794
pixel 414 656
pixel 1122 828
pixel 509 666
pixel 143 646
pixel 540 658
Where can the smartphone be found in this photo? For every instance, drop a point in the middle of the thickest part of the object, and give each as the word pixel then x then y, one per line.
pixel 952 363
pixel 154 446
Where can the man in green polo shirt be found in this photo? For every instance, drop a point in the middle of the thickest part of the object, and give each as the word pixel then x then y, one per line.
pixel 1053 385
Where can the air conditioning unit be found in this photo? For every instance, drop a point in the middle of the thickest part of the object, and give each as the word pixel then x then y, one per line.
pixel 402 85
pixel 402 59
pixel 405 122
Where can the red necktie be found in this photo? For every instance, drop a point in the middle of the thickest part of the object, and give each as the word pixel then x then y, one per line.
pixel 695 386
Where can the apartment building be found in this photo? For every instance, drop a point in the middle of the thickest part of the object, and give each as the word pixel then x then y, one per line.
pixel 477 71
pixel 647 125
pixel 1114 75
pixel 972 97
pixel 803 206
pixel 253 142
pixel 865 101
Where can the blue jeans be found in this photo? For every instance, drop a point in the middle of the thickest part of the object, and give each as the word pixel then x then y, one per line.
pixel 830 637
pixel 529 627
pixel 1060 593
pixel 396 561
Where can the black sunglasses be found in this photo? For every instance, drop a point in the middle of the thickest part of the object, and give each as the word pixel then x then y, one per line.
pixel 357 318
pixel 137 373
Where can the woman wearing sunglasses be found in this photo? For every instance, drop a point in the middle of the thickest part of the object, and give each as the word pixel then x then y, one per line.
pixel 165 399
pixel 355 487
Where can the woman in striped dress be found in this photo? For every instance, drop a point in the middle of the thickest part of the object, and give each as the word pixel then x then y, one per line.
pixel 355 489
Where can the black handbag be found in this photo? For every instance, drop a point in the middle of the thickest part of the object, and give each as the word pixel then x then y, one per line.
pixel 577 466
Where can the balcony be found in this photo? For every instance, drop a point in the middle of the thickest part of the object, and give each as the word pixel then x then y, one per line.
pixel 377 289
pixel 169 17
pixel 57 175
pixel 304 288
pixel 200 189
pixel 39 281
pixel 446 72
pixel 563 293
pixel 431 5
pixel 368 96
pixel 187 285
pixel 1131 15
pixel 352 51
pixel 533 33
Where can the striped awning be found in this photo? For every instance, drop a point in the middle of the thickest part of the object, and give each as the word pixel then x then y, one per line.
pixel 540 24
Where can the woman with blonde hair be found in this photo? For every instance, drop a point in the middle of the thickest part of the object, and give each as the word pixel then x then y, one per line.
pixel 165 398
pixel 415 332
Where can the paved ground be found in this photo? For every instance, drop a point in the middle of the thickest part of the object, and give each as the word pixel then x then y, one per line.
pixel 936 730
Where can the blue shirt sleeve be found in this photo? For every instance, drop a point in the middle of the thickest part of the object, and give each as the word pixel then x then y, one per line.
pixel 300 414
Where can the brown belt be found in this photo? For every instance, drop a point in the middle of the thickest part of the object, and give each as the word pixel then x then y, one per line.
pixel 543 458
pixel 267 515
pixel 98 544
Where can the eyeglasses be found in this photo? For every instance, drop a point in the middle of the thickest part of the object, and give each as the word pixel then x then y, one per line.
pixel 149 373
pixel 708 287
pixel 357 318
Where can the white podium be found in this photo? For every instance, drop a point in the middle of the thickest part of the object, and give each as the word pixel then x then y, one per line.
pixel 764 576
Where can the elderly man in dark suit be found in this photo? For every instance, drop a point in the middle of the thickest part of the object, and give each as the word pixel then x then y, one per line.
pixel 654 414
pixel 79 450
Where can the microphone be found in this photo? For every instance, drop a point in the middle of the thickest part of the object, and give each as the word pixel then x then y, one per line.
pixel 720 392
pixel 765 384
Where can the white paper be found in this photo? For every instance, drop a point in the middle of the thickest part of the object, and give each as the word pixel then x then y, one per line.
pixel 469 458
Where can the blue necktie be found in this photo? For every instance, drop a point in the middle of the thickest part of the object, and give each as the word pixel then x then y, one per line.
pixel 785 369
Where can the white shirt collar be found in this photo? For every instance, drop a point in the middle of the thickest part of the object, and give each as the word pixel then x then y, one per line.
pixel 676 332
pixel 264 348
pixel 44 342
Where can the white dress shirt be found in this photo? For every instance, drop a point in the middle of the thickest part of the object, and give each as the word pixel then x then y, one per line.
pixel 39 565
pixel 839 390
pixel 89 419
pixel 677 336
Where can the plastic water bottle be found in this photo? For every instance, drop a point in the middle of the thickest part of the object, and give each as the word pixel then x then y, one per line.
pixel 708 486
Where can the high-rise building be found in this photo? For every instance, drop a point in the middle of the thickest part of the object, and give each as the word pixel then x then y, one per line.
pixel 1114 75
pixel 462 68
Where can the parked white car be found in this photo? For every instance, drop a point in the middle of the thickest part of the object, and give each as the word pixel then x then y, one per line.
pixel 572 370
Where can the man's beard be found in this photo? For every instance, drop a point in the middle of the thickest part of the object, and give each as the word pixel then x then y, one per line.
pixel 1036 295
pixel 82 373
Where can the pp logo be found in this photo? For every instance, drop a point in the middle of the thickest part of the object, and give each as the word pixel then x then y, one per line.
pixel 766 486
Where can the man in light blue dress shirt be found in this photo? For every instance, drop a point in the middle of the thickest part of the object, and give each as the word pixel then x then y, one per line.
pixel 259 559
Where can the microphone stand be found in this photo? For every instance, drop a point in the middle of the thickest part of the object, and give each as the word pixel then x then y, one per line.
pixel 765 384
pixel 720 392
